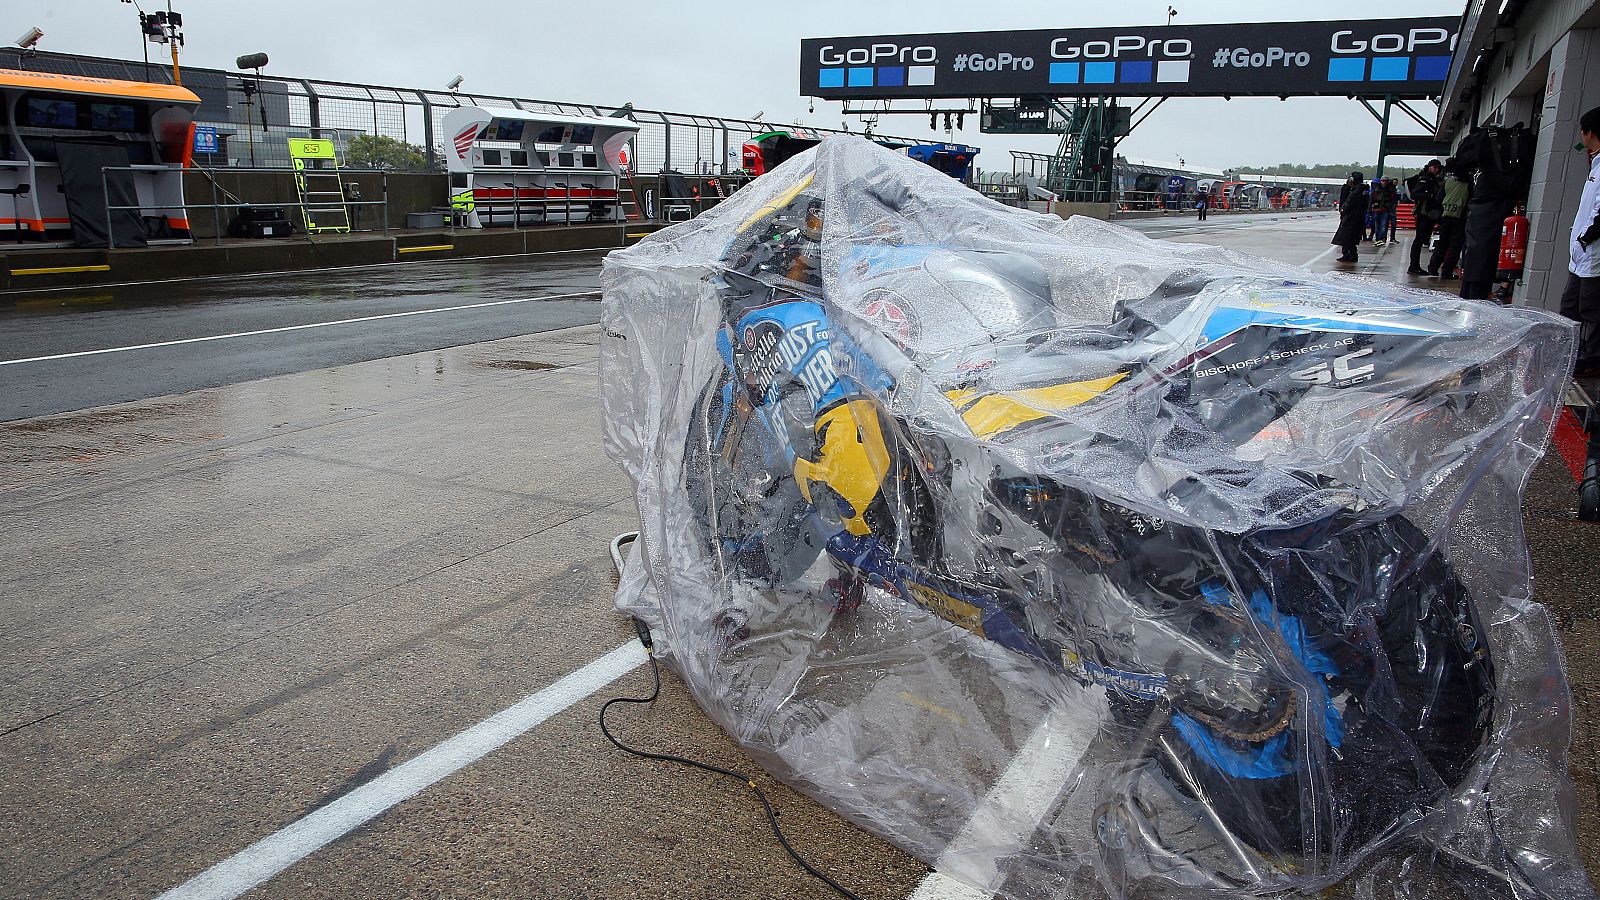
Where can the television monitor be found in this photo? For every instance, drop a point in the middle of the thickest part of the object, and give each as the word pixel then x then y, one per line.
pixel 519 158
pixel 491 157
pixel 46 113
pixel 564 160
pixel 553 135
pixel 112 117
pixel 583 134
pixel 508 130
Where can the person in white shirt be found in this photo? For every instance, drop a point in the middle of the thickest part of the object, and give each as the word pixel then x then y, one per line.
pixel 1580 301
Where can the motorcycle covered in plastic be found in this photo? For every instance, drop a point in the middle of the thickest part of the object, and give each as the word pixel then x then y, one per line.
pixel 1075 562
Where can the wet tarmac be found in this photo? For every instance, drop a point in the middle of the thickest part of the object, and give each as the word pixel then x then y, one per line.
pixel 235 598
pixel 202 333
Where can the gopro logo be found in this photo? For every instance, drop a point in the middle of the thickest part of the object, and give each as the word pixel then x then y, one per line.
pixel 1123 45
pixel 1393 42
pixel 877 54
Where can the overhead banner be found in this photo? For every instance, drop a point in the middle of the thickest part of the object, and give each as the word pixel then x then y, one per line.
pixel 1372 58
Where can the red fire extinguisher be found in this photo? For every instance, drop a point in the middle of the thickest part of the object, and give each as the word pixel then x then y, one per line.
pixel 1513 244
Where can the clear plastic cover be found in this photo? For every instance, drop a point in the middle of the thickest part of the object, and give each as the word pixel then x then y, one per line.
pixel 1073 561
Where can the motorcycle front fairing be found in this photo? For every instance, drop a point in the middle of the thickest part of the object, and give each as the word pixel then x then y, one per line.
pixel 956 481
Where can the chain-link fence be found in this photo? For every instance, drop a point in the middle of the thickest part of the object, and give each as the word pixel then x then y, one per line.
pixel 394 128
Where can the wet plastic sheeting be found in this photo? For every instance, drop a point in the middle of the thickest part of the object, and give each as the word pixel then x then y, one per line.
pixel 1069 560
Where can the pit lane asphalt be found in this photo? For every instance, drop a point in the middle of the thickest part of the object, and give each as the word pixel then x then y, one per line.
pixel 47 323
pixel 227 607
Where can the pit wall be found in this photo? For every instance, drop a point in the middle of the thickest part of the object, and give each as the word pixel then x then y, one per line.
pixel 1067 210
pixel 408 192
pixel 23 270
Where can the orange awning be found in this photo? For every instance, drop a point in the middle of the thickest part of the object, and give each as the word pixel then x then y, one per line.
pixel 105 87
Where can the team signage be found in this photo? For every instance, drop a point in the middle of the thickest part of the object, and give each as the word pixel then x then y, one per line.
pixel 1401 57
pixel 310 148
pixel 205 139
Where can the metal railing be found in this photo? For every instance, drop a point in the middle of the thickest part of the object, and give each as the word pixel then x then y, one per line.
pixel 1148 201
pixel 561 206
pixel 217 205
pixel 1012 189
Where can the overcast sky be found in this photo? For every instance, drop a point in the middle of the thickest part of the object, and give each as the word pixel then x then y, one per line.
pixel 733 59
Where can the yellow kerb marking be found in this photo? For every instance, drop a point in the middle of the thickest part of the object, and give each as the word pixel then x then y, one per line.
pixel 60 270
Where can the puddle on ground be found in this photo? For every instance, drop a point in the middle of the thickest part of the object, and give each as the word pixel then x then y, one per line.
pixel 524 364
pixel 73 443
pixel 83 420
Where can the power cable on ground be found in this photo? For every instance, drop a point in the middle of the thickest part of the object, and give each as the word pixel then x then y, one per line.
pixel 655 690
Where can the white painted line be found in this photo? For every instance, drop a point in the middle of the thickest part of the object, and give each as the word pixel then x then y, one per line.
pixel 939 886
pixel 284 328
pixel 1318 258
pixel 1019 800
pixel 269 856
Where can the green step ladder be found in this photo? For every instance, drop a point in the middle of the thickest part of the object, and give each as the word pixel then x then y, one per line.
pixel 323 205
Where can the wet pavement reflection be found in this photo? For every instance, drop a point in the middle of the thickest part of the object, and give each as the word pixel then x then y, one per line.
pixel 393 305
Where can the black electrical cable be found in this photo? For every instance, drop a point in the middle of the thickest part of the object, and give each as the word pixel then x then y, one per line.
pixel 766 805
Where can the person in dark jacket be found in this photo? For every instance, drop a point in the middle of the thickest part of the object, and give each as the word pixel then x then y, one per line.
pixel 1501 162
pixel 1427 197
pixel 1352 216
pixel 1382 203
pixel 1394 211
pixel 1454 193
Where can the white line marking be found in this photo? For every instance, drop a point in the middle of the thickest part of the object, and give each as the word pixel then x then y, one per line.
pixel 1016 804
pixel 269 856
pixel 939 886
pixel 280 330
pixel 1318 258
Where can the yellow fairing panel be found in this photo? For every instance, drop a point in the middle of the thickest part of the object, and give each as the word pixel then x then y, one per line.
pixel 778 202
pixel 853 461
pixel 989 415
